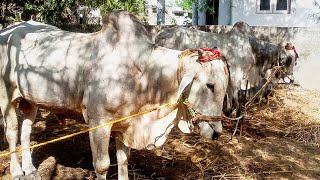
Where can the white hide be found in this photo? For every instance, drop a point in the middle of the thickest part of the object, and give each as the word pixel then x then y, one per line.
pixel 233 46
pixel 113 73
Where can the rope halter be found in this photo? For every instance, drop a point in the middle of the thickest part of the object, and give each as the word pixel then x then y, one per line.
pixel 204 55
pixel 210 54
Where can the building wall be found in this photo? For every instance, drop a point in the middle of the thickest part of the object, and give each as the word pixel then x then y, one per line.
pixel 224 12
pixel 245 10
pixel 170 17
pixel 173 15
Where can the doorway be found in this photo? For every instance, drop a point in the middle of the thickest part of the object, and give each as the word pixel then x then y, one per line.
pixel 212 19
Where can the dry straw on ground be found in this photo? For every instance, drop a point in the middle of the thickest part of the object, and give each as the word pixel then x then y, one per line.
pixel 293 111
pixel 280 141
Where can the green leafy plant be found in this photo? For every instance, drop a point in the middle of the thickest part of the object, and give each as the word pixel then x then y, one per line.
pixel 202 7
pixel 54 11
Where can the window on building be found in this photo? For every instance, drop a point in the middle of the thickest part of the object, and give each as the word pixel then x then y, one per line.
pixel 177 13
pixel 274 6
pixel 265 5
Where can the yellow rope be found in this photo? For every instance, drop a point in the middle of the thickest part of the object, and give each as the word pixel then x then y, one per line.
pixel 87 130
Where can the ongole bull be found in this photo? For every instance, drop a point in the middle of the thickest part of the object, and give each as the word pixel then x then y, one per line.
pixel 105 75
pixel 234 47
pixel 268 54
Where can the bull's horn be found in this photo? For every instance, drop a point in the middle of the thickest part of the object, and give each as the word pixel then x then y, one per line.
pixel 281 44
pixel 186 80
pixel 200 52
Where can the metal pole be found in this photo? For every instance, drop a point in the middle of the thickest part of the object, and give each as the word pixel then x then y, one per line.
pixel 202 12
pixel 232 6
pixel 161 12
pixel 195 12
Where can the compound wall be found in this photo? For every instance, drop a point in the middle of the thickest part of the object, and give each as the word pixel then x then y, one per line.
pixel 306 41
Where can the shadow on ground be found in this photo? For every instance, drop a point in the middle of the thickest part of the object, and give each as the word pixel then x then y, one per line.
pixel 267 148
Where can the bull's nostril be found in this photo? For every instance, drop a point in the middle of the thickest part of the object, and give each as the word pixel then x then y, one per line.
pixel 215 135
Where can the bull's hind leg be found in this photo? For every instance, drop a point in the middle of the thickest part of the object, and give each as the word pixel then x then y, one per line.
pixel 99 142
pixel 29 114
pixel 11 129
pixel 123 154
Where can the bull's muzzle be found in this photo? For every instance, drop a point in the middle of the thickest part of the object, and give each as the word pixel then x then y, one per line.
pixel 215 135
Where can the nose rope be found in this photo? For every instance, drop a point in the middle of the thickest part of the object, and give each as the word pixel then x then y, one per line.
pixel 192 111
pixel 196 116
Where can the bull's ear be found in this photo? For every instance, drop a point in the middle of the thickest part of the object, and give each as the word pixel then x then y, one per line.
pixel 183 122
pixel 184 126
pixel 186 80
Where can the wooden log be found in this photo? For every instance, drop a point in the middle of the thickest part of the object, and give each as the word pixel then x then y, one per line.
pixel 47 168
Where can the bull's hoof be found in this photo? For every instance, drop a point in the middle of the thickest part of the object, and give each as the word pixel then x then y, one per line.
pixel 33 176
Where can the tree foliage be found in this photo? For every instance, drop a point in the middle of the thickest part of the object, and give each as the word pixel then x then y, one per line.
pixel 185 4
pixel 202 7
pixel 58 12
pixel 134 6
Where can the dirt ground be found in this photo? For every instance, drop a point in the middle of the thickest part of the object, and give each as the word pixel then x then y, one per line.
pixel 281 138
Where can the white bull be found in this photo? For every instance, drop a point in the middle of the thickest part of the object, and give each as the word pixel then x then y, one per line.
pixel 234 47
pixel 268 54
pixel 105 75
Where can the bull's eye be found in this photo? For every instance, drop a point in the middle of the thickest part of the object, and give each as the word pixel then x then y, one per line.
pixel 210 86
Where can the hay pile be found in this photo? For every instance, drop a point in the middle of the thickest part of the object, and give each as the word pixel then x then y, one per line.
pixel 292 111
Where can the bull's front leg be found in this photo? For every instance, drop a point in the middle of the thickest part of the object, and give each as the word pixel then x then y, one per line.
pixel 11 129
pixel 99 142
pixel 123 154
pixel 29 114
